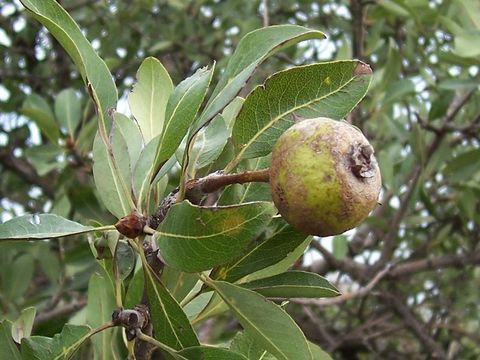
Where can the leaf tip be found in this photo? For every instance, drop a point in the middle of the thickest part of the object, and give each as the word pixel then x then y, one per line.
pixel 362 69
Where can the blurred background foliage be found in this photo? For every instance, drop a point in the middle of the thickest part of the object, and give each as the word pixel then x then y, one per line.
pixel 411 269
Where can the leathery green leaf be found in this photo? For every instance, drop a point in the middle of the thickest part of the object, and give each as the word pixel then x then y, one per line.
pixel 101 303
pixel 22 327
pixel 170 324
pixel 269 323
pixel 42 226
pixel 111 186
pixel 60 347
pixel 93 69
pixel 193 238
pixel 293 284
pixel 68 110
pixel 149 97
pixel 278 247
pixel 182 107
pixel 8 349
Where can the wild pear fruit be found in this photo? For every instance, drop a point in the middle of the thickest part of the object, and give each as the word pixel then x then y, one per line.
pixel 324 176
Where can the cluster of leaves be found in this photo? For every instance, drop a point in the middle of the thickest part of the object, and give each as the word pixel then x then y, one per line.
pixel 425 62
pixel 248 249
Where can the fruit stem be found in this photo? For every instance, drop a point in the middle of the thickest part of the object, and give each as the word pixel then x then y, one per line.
pixel 195 189
pixel 216 181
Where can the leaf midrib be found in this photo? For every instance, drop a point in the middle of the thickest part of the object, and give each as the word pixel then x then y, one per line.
pixel 179 236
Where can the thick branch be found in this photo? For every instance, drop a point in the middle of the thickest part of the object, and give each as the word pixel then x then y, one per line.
pixel 347 265
pixel 445 261
pixel 216 181
pixel 60 311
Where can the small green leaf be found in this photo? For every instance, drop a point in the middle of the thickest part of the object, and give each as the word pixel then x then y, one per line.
pixel 93 69
pixel 68 110
pixel 43 226
pixel 210 353
pixel 135 288
pixel 111 187
pixel 330 89
pixel 463 166
pixel 211 140
pixel 293 284
pixel 20 278
pixel 179 283
pixel 60 347
pixel 182 107
pixel 46 157
pixel 279 246
pixel 101 303
pixel 37 348
pixel 270 324
pixel 463 44
pixel 131 133
pixel 125 257
pixel 149 97
pixel 8 349
pixel 194 238
pixel 22 327
pixel 209 143
pixel 418 143
pixel 204 306
pixel 37 109
pixel 142 174
pixel 120 156
pixel 170 323
pixel 394 8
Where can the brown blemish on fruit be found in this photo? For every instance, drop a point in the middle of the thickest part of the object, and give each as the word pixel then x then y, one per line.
pixel 362 160
pixel 310 194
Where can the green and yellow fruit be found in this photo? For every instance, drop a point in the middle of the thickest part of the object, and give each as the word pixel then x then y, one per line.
pixel 324 176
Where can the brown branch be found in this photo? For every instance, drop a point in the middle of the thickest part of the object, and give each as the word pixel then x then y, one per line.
pixel 390 242
pixel 265 15
pixel 347 265
pixel 414 324
pixel 26 171
pixel 459 330
pixel 216 181
pixel 445 261
pixel 60 311
pixel 195 189
pixel 358 28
